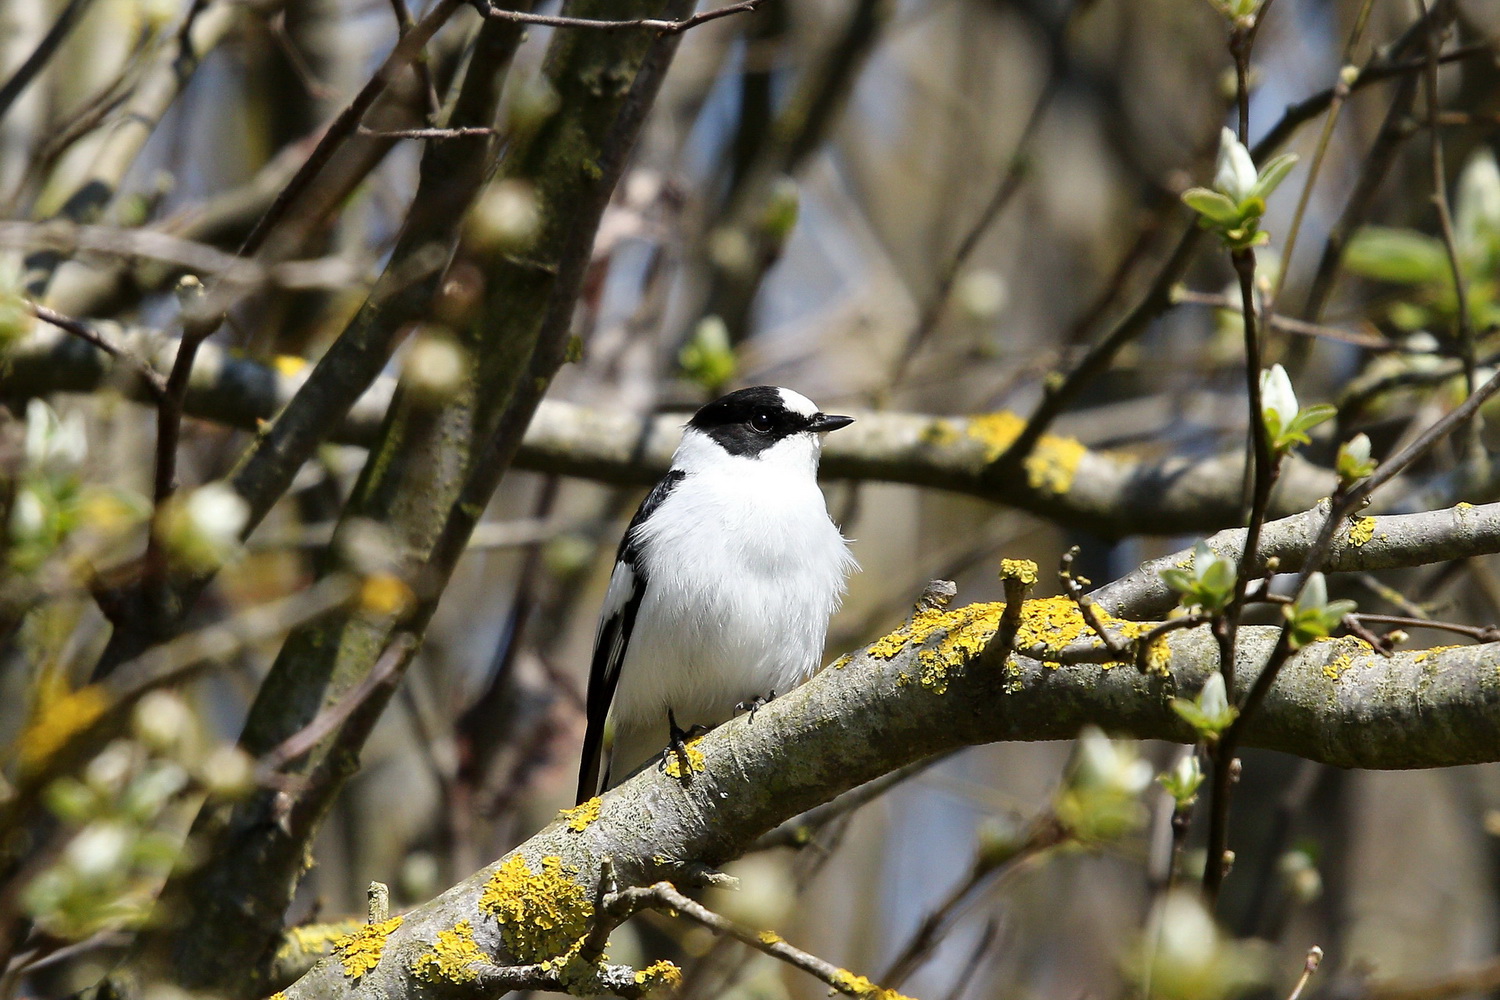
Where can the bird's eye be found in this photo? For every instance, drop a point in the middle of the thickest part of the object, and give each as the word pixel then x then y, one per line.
pixel 762 421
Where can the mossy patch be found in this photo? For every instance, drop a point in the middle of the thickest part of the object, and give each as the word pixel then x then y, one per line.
pixel 543 915
pixel 580 816
pixel 452 957
pixel 360 951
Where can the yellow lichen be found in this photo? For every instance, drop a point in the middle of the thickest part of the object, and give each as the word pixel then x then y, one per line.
pixel 360 951
pixel 1048 625
pixel 1346 649
pixel 315 939
pixel 1158 656
pixel 1023 570
pixel 580 816
pixel 1335 667
pixel 940 433
pixel 1361 531
pixel 278 995
pixel 452 957
pixel 695 759
pixel 842 662
pixel 770 937
pixel 1053 461
pixel 858 986
pixel 1423 655
pixel 662 973
pixel 1463 505
pixel 56 721
pixel 542 915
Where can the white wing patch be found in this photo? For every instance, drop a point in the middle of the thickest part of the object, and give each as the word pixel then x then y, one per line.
pixel 621 590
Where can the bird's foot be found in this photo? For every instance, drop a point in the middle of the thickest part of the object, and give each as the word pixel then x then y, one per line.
pixel 753 705
pixel 678 753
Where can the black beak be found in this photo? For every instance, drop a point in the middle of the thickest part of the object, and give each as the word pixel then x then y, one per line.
pixel 824 422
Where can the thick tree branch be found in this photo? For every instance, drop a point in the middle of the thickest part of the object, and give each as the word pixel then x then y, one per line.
pixel 1107 493
pixel 899 701
pixel 1367 543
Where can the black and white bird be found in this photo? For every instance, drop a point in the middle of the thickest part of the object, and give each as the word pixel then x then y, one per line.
pixel 724 583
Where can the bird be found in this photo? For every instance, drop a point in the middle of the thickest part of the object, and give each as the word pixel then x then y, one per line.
pixel 723 584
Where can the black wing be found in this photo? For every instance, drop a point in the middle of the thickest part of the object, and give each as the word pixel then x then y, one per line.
pixel 627 586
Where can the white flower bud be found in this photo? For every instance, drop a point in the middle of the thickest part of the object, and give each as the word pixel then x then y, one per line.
pixel 1477 218
pixel 28 515
pixel 218 512
pixel 1110 765
pixel 1315 593
pixel 1214 698
pixel 162 720
pixel 1234 171
pixel 54 444
pixel 1277 395
pixel 1188 937
pixel 110 770
pixel 435 365
pixel 1358 448
pixel 982 294
pixel 228 773
pixel 505 217
pixel 99 851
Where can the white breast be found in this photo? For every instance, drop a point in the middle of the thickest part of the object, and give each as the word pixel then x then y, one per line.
pixel 744 569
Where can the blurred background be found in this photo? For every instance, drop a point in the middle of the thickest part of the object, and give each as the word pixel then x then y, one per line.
pixel 922 206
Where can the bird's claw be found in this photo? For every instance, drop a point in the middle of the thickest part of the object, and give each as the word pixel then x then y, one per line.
pixel 753 705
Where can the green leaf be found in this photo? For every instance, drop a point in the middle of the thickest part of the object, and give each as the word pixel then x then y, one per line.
pixel 1400 256
pixel 1179 580
pixel 1212 205
pixel 1272 174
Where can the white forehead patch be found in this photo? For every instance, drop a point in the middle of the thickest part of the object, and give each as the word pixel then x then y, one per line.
pixel 797 403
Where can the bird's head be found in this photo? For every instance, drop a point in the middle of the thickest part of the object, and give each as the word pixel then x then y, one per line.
pixel 765 423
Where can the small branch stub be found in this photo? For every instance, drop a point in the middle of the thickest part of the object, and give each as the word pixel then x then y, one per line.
pixel 378 902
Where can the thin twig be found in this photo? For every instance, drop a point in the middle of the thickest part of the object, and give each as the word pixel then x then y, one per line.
pixel 661 27
pixel 427 133
pixel 1085 606
pixel 1265 467
pixel 1433 37
pixel 153 378
pixel 1479 633
pixel 384 672
pixel 1144 643
pixel 1010 182
pixel 1287 324
pixel 42 54
pixel 1341 91
pixel 407 49
pixel 1045 833
pixel 664 896
pixel 1314 959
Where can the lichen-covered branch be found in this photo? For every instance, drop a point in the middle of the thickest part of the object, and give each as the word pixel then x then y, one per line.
pixel 931 686
pixel 1111 494
pixel 1363 544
